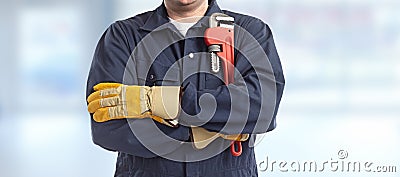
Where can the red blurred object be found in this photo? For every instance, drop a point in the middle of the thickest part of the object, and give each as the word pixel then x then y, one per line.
pixel 220 42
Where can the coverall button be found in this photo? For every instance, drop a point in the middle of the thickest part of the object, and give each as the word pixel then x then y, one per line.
pixel 191 55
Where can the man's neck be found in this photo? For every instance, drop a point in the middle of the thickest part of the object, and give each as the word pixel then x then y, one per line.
pixel 186 13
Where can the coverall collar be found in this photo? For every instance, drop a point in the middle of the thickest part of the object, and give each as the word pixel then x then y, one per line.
pixel 160 17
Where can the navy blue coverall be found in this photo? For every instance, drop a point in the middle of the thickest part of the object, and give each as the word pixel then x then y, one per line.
pixel 111 58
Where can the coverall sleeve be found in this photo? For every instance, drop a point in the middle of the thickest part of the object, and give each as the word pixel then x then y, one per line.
pixel 244 113
pixel 108 65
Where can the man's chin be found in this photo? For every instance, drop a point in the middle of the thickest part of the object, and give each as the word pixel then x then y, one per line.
pixel 186 2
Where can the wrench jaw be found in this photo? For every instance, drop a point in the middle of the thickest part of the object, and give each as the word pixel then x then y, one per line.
pixel 221 20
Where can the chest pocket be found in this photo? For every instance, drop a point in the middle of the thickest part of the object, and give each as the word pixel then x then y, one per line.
pixel 160 75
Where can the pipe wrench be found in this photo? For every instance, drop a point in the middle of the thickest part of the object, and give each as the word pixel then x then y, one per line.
pixel 219 38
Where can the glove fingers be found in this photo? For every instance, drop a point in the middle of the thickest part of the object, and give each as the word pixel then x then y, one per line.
pixel 109 113
pixel 94 96
pixel 102 94
pixel 94 105
pixel 237 137
pixel 105 102
pixel 101 115
pixel 103 86
pixel 117 112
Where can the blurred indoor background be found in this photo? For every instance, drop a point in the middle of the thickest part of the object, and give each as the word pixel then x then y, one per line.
pixel 341 60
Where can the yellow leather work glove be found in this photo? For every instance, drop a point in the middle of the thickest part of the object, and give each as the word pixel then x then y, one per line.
pixel 118 101
pixel 202 137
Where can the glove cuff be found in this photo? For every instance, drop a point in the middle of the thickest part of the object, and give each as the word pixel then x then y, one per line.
pixel 165 101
